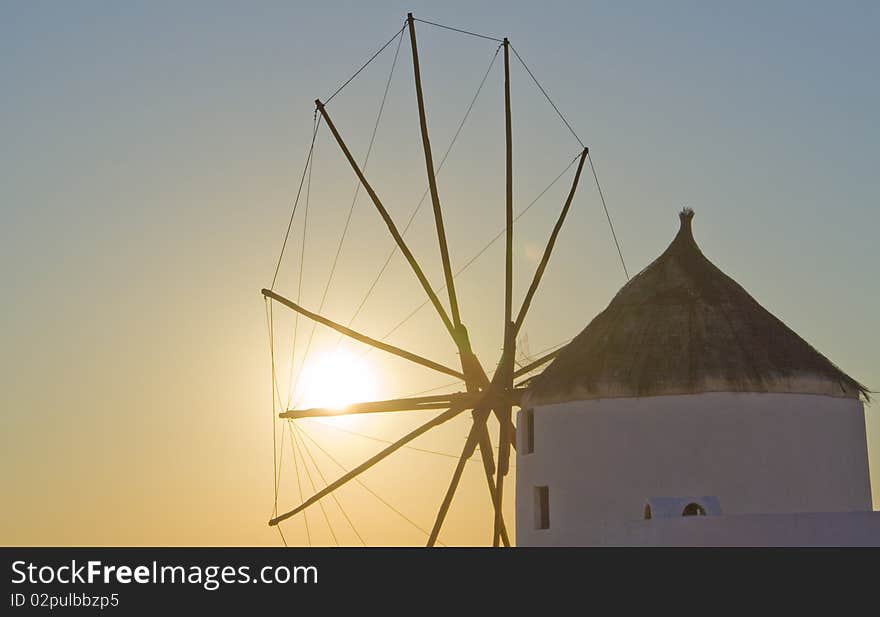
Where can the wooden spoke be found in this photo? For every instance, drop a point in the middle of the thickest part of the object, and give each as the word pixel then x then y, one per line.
pixel 440 419
pixel 508 267
pixel 389 222
pixel 489 468
pixel 432 179
pixel 470 445
pixel 503 379
pixel 479 435
pixel 465 399
pixel 397 351
pixel 549 249
pixel 501 471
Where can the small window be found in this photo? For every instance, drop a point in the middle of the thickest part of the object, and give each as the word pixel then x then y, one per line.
pixel 693 509
pixel 528 439
pixel 542 507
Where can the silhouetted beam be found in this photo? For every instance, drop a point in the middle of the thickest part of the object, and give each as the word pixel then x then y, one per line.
pixel 505 395
pixel 441 401
pixel 485 444
pixel 514 397
pixel 389 222
pixel 432 179
pixel 508 133
pixel 504 374
pixel 549 249
pixel 440 419
pixel 403 404
pixel 477 436
pixel 397 351
pixel 470 445
pixel 507 400
pixel 489 469
pixel 511 429
pixel 470 365
pixel 528 368
pixel 501 471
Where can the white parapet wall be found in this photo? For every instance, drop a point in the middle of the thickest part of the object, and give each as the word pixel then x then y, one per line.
pixel 596 463
pixel 802 529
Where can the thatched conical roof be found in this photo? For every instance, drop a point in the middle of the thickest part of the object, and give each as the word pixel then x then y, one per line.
pixel 682 326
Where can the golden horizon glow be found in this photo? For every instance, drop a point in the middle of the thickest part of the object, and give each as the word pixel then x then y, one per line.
pixel 336 379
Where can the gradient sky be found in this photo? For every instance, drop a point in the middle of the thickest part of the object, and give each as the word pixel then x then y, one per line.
pixel 151 152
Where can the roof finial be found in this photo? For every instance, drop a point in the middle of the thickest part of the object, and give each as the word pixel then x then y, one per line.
pixel 685 231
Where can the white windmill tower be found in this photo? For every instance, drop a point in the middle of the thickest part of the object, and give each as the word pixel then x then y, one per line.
pixel 686 397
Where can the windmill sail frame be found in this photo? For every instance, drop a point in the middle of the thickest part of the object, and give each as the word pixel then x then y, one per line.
pixel 483 397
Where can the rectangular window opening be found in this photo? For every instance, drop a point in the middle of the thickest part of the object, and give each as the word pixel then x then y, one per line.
pixel 542 507
pixel 528 444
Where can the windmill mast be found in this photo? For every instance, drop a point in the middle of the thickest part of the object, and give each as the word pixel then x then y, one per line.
pixel 505 368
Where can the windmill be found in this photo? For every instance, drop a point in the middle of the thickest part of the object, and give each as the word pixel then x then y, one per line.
pixel 484 397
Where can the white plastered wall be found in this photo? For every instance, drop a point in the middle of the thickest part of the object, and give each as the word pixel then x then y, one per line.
pixel 756 452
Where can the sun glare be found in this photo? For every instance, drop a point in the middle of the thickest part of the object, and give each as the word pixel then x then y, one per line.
pixel 337 379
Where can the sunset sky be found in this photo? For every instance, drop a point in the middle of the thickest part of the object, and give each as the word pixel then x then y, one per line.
pixel 151 154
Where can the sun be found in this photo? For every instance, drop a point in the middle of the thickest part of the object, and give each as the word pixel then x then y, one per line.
pixel 336 379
